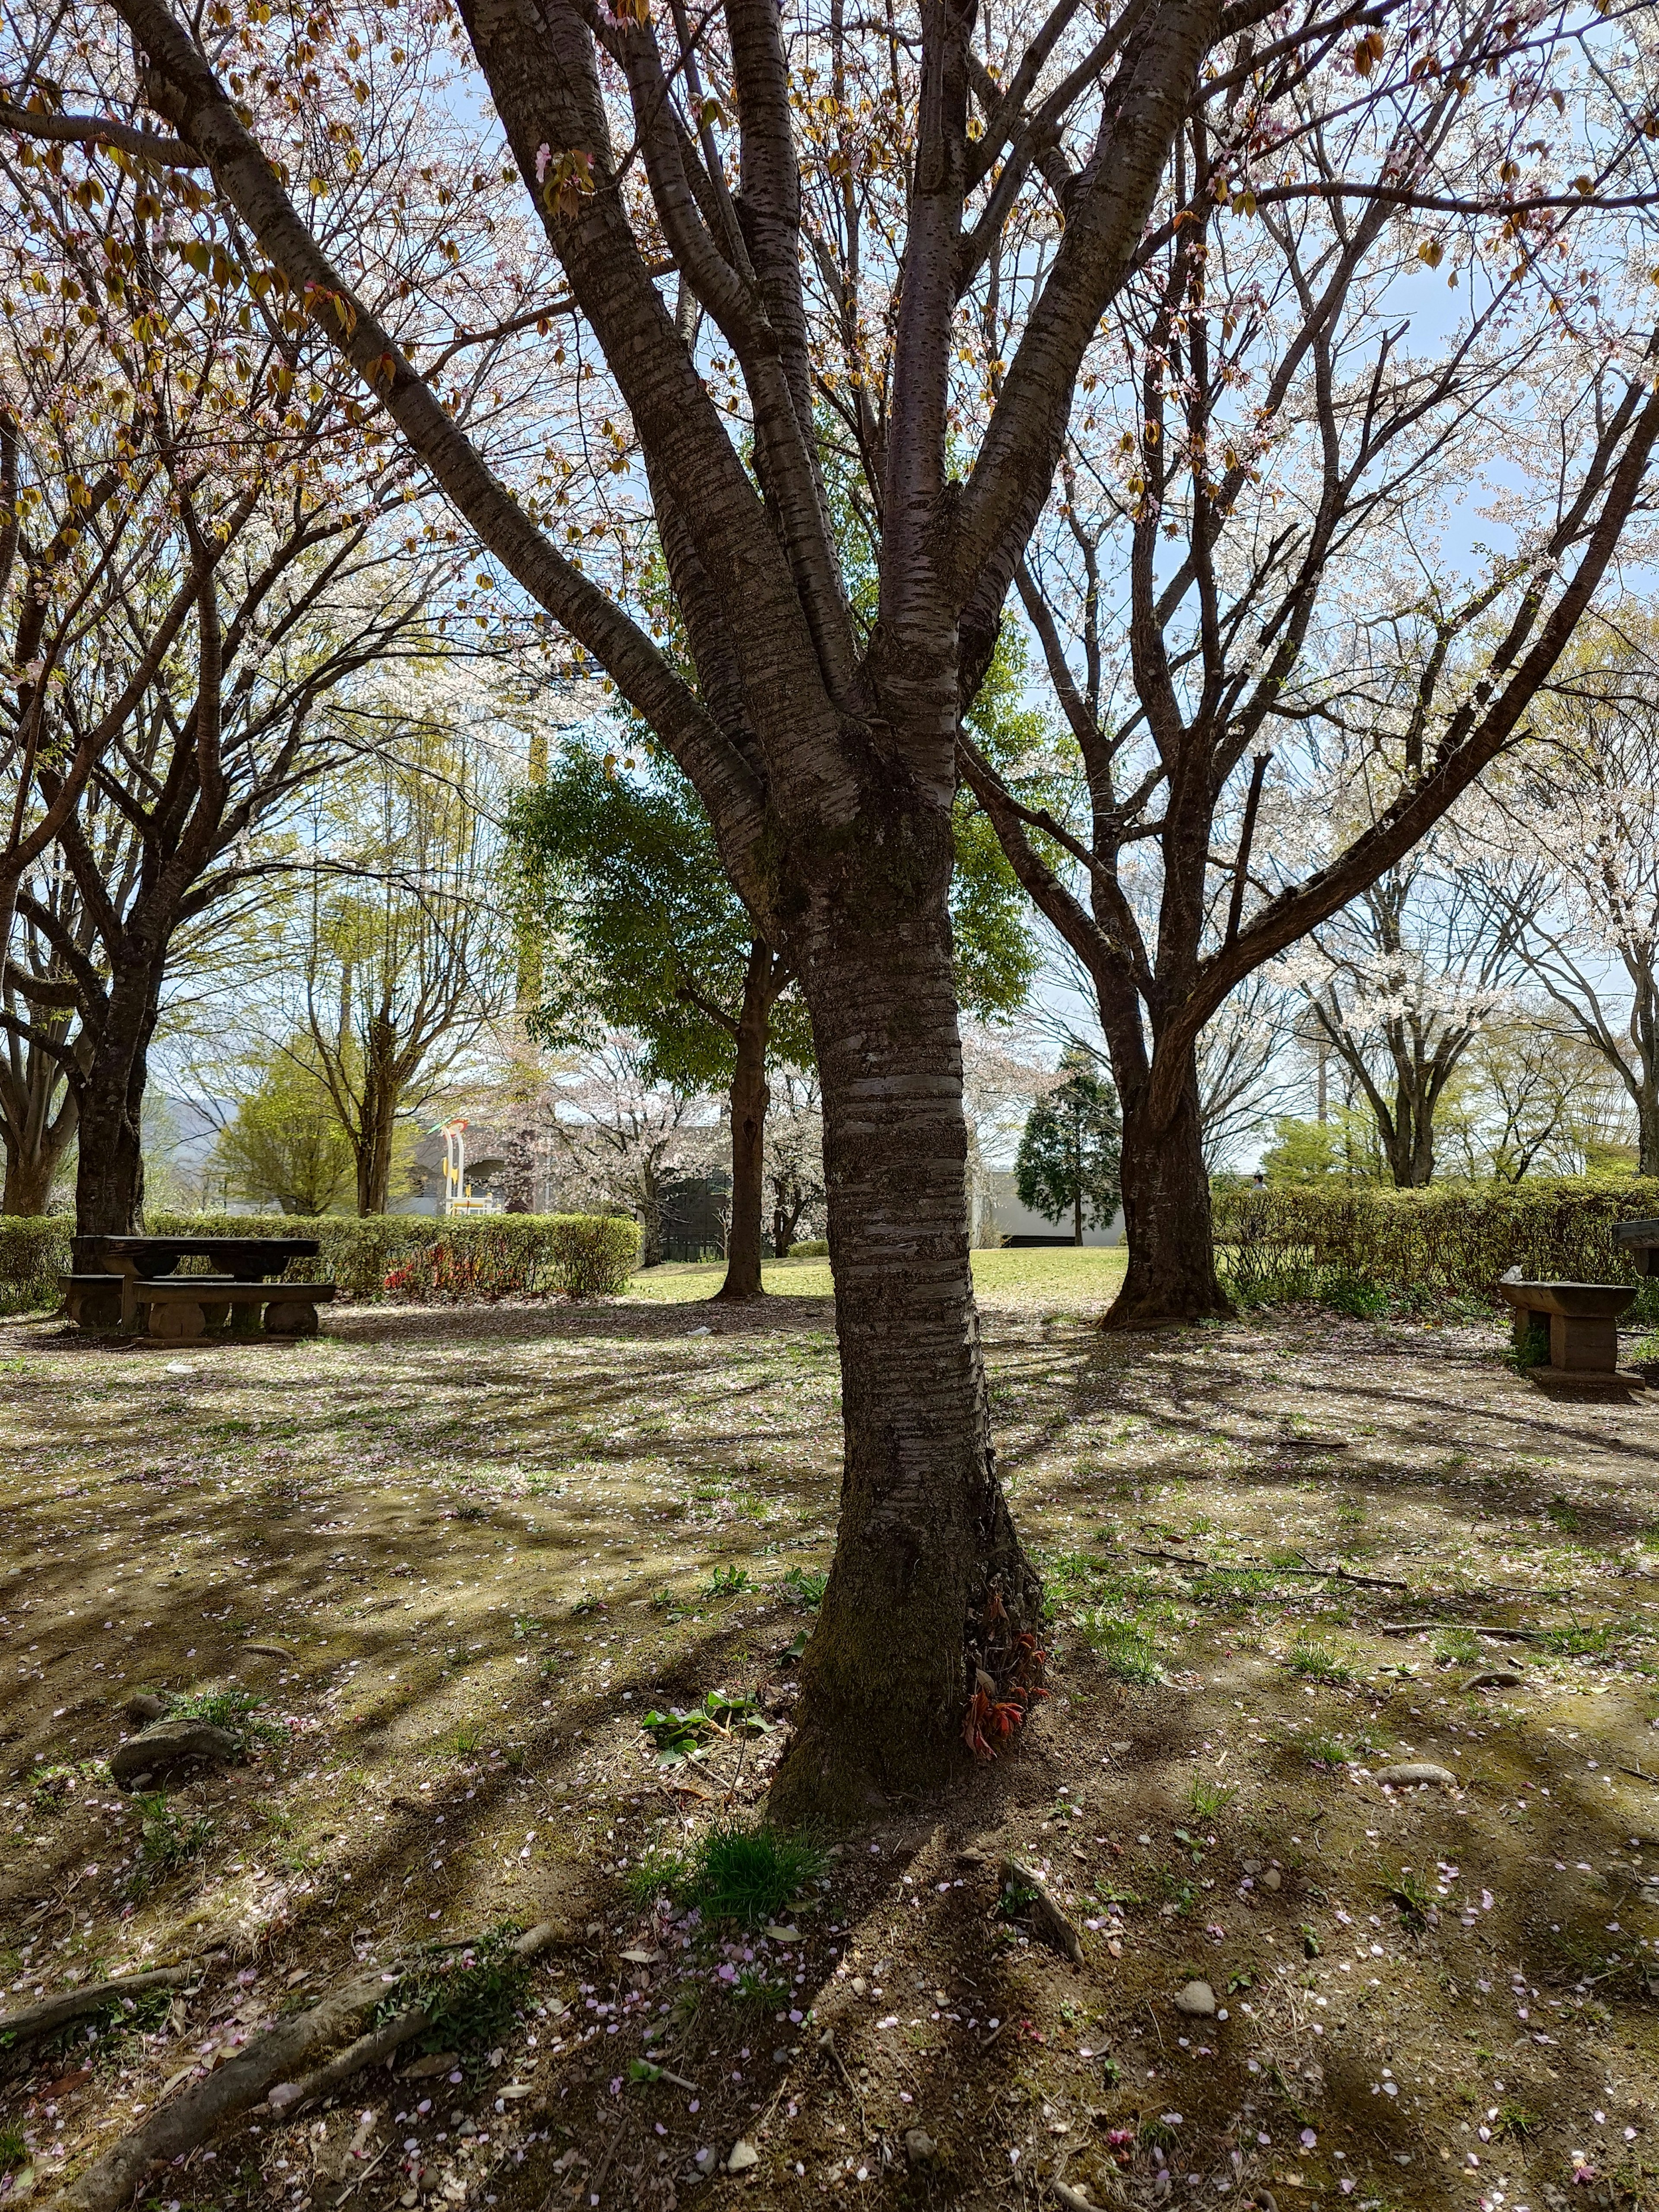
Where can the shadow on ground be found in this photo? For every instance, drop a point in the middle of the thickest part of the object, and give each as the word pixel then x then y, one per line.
pixel 456 1555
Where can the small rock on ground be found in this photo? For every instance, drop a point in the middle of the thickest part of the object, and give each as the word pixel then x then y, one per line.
pixel 168 1748
pixel 743 2156
pixel 1415 1771
pixel 1197 2000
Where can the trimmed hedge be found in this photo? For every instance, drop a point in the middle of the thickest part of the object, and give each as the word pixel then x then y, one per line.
pixel 489 1256
pixel 1455 1238
pixel 586 1255
pixel 34 1251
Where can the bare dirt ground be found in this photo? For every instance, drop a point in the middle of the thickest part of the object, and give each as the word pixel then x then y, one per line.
pixel 456 1556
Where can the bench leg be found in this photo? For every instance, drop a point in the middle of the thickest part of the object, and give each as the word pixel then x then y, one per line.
pixel 290 1317
pixel 1579 1346
pixel 96 1312
pixel 1532 1333
pixel 176 1320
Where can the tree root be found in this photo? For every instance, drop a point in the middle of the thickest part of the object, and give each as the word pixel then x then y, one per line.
pixel 46 2018
pixel 366 2051
pixel 248 2080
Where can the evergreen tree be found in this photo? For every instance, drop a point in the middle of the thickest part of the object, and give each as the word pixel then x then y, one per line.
pixel 1067 1160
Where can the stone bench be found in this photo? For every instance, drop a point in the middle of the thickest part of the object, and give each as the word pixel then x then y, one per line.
pixel 185 1306
pixel 1578 1322
pixel 181 1308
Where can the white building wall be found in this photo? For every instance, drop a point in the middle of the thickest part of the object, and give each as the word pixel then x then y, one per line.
pixel 1013 1220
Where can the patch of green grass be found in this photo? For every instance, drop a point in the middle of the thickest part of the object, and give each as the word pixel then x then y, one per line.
pixel 727 1582
pixel 660 1872
pixel 1233 1588
pixel 466 1740
pixel 14 2151
pixel 1582 1640
pixel 1407 1891
pixel 749 1875
pixel 1456 1647
pixel 166 1844
pixel 1561 1513
pixel 469 1995
pixel 238 1712
pixel 1124 1646
pixel 1208 1799
pixel 754 1986
pixel 1327 1751
pixel 1515 2121
pixel 1311 1660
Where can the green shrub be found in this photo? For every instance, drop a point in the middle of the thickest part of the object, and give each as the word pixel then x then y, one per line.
pixel 809 1248
pixel 585 1255
pixel 482 1256
pixel 34 1253
pixel 1418 1246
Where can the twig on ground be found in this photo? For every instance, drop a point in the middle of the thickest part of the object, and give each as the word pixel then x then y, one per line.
pixel 604 2163
pixel 1073 2199
pixel 352 2187
pixel 1475 1628
pixel 1049 1921
pixel 378 2044
pixel 1267 1567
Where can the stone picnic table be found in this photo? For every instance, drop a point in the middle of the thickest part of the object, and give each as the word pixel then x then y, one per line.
pixel 132 1283
pixel 1641 1240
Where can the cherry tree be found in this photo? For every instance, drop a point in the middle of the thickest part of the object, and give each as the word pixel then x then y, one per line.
pixel 815 265
pixel 1588 803
pixel 1277 669
pixel 209 537
pixel 1402 981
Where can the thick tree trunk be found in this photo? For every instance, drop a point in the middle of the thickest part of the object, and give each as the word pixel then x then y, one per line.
pixel 929 1581
pixel 652 1242
pixel 1408 1138
pixel 109 1182
pixel 750 1099
pixel 34 1152
pixel 29 1177
pixel 1166 1218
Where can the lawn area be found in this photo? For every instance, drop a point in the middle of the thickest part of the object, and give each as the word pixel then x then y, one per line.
pixel 432 1569
pixel 1080 1279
